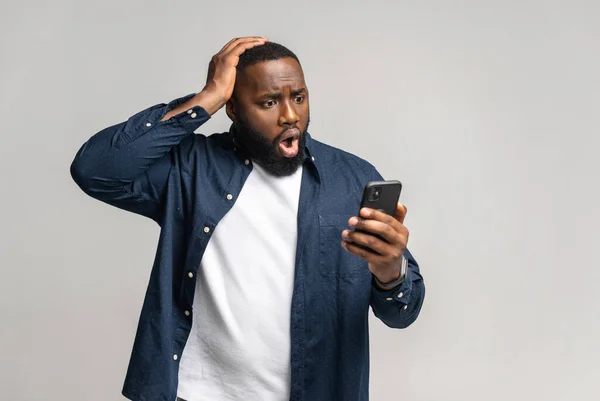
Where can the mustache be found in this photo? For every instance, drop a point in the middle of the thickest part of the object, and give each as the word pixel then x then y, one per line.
pixel 295 126
pixel 284 131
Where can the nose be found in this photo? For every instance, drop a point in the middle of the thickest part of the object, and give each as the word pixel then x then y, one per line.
pixel 288 115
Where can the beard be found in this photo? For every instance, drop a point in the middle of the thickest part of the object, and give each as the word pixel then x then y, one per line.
pixel 266 152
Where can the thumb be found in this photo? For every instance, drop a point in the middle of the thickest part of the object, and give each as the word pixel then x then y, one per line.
pixel 400 212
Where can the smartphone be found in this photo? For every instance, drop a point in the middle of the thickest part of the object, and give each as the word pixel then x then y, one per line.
pixel 382 196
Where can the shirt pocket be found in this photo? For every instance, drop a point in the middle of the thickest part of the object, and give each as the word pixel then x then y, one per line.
pixel 335 261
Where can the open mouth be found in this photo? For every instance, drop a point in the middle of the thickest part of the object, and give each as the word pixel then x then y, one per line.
pixel 289 143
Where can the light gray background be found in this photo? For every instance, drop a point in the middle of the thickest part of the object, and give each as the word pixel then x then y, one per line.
pixel 488 111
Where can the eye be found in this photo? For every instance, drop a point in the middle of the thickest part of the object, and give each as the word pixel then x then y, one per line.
pixel 269 103
pixel 299 99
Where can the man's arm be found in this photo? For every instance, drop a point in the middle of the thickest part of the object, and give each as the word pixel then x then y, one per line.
pixel 127 165
pixel 399 306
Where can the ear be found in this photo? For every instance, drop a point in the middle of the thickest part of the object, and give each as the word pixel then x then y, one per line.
pixel 230 110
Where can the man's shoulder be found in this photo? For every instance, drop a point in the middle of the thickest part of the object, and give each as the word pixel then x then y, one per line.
pixel 215 138
pixel 197 146
pixel 203 141
pixel 220 137
pixel 342 158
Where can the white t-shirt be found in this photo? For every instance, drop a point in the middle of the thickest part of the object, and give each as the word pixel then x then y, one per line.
pixel 239 344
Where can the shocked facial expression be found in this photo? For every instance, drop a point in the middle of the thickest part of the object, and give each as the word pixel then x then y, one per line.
pixel 270 110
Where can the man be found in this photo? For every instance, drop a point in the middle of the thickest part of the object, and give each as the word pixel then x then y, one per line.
pixel 258 290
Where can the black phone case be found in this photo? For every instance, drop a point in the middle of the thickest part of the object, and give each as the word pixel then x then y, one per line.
pixel 387 201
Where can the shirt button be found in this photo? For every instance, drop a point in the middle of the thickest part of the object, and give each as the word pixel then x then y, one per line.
pixel 206 229
pixel 247 162
pixel 389 299
pixel 229 197
pixel 193 115
pixel 190 111
pixel 405 307
pixel 175 357
pixel 191 275
pixel 313 158
pixel 148 124
pixel 187 312
pixel 400 295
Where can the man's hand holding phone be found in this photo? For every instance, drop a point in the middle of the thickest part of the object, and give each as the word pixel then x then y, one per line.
pixel 386 261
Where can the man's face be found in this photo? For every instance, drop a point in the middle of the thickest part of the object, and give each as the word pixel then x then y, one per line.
pixel 270 110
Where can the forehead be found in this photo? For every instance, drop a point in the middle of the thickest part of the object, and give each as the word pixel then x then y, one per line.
pixel 270 76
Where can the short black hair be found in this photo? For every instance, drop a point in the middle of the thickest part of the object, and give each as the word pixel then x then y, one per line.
pixel 267 52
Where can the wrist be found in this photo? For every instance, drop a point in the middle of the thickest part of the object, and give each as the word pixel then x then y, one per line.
pixel 210 100
pixel 390 281
pixel 388 278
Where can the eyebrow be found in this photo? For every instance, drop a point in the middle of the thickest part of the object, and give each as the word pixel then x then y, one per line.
pixel 277 95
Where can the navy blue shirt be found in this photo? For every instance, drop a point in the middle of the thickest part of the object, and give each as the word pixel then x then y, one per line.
pixel 183 181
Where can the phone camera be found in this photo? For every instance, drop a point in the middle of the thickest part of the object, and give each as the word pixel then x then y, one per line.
pixel 375 194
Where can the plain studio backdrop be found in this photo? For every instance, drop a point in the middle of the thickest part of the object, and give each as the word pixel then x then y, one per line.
pixel 488 111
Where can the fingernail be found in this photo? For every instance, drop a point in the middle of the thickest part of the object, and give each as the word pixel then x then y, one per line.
pixel 366 212
pixel 353 221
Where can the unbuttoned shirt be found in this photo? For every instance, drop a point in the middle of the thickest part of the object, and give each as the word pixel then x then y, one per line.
pixel 186 183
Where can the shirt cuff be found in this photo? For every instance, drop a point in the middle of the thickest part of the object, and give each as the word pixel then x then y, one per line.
pixel 191 119
pixel 399 295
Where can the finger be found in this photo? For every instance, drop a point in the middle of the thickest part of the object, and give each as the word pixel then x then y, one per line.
pixel 381 216
pixel 241 47
pixel 378 245
pixel 361 253
pixel 400 212
pixel 233 43
pixel 387 232
pixel 227 44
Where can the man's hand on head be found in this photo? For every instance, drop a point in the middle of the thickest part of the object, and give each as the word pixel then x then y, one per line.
pixel 386 263
pixel 222 68
pixel 221 77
